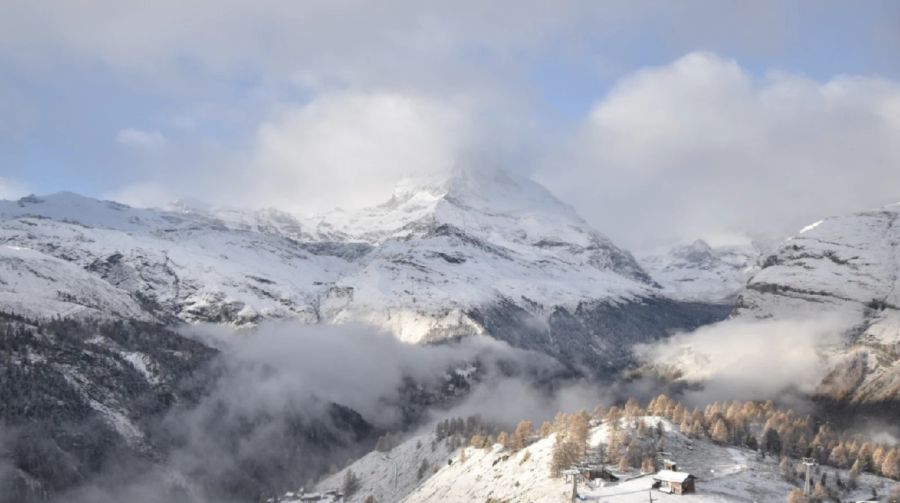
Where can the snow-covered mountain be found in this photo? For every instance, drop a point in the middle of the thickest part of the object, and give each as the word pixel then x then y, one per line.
pixel 442 247
pixel 700 272
pixel 836 282
pixel 476 251
pixel 847 266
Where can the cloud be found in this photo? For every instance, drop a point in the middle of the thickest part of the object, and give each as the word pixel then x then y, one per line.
pixel 506 401
pixel 279 362
pixel 138 139
pixel 349 149
pixel 751 359
pixel 148 194
pixel 315 41
pixel 700 147
pixel 12 189
pixel 269 406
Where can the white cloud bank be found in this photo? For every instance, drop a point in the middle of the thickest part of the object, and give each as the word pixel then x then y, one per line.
pixel 751 359
pixel 12 189
pixel 349 149
pixel 700 147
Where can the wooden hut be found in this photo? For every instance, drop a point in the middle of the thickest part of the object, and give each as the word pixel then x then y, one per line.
pixel 673 482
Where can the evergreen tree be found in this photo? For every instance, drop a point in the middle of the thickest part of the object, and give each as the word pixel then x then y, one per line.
pixel 771 442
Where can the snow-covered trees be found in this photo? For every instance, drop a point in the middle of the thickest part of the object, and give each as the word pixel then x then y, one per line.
pixel 571 440
pixel 839 456
pixel 642 429
pixel 503 439
pixel 634 439
pixel 351 484
pixel 546 429
pixel 890 467
pixel 565 454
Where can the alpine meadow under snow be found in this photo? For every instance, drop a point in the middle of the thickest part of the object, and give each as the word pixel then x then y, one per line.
pixel 449 252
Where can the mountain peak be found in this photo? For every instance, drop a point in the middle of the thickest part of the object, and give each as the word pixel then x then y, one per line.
pixel 467 197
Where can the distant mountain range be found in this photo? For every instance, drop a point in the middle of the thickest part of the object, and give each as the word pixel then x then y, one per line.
pixel 470 252
pixel 473 252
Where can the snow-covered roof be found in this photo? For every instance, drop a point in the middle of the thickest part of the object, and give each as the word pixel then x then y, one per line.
pixel 670 476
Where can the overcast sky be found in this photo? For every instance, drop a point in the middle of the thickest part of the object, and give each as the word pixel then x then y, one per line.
pixel 657 121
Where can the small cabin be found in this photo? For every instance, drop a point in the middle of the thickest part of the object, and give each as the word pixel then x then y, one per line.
pixel 598 473
pixel 673 482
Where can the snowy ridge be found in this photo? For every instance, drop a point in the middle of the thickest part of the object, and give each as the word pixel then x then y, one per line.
pixel 416 265
pixel 183 265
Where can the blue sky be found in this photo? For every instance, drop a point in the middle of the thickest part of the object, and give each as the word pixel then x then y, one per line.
pixel 171 100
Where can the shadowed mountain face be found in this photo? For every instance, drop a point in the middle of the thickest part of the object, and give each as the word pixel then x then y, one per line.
pixel 79 397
